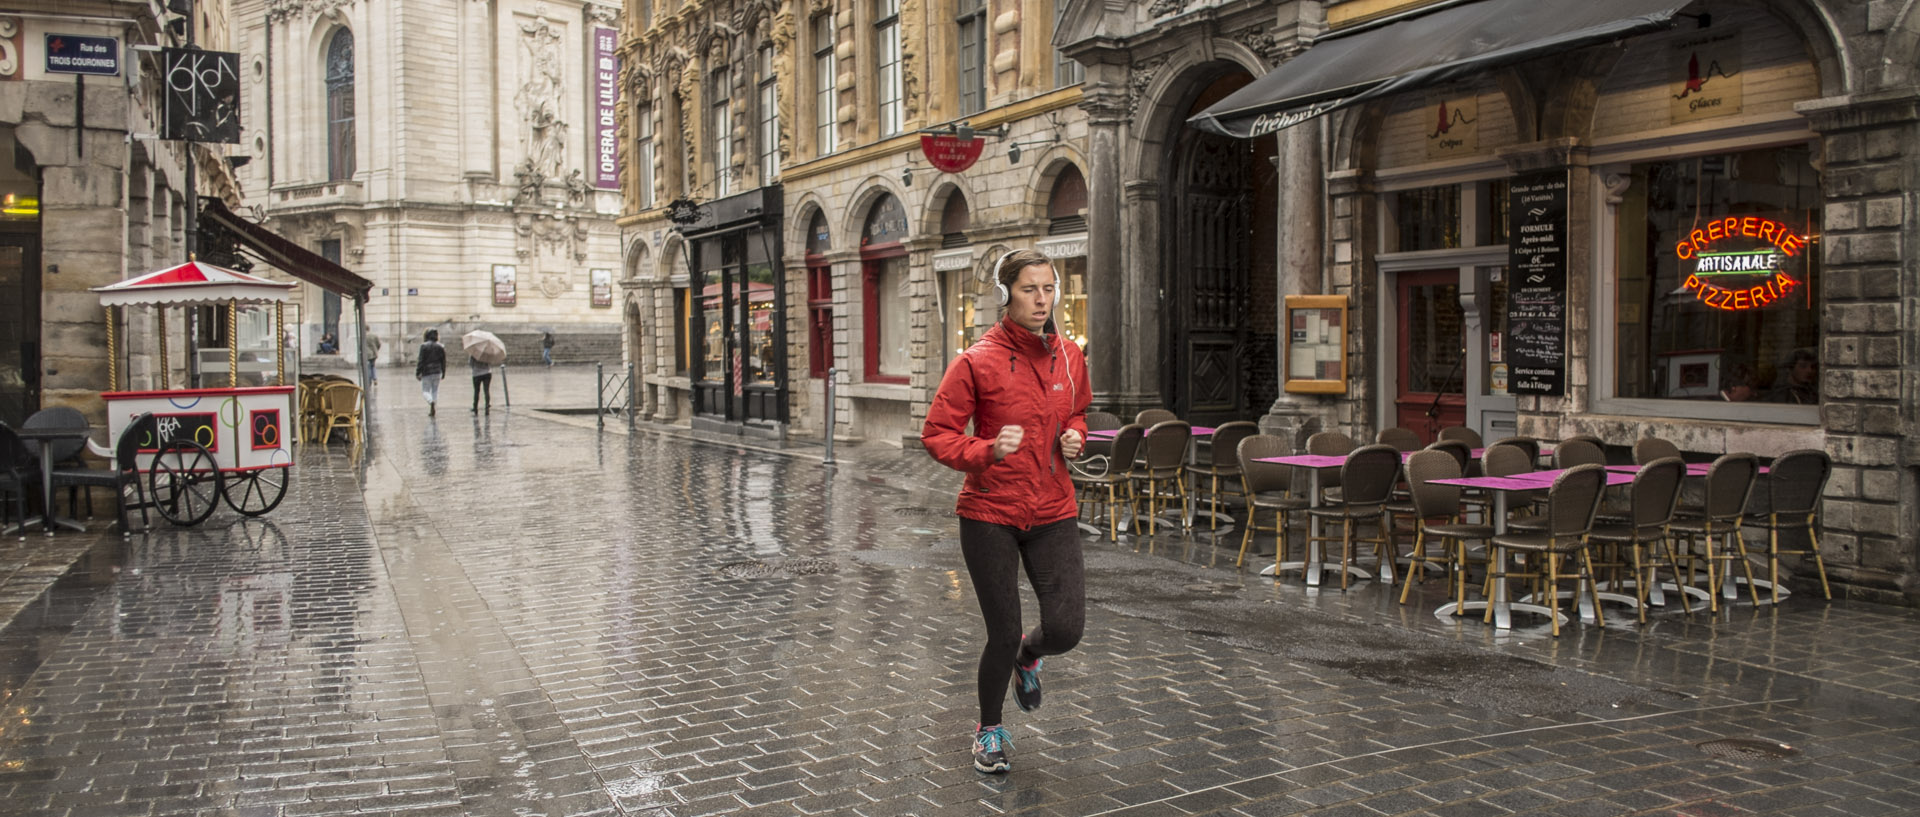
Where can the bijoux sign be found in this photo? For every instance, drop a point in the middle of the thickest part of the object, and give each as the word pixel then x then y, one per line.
pixel 1762 269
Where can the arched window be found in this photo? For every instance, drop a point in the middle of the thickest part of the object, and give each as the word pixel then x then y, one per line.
pixel 1065 203
pixel 888 318
pixel 340 106
pixel 819 297
pixel 954 220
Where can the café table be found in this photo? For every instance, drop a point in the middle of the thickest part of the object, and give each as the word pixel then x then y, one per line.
pixel 1315 565
pixel 1500 487
pixel 41 440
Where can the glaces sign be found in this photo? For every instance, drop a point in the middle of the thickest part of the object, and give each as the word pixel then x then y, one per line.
pixel 1731 273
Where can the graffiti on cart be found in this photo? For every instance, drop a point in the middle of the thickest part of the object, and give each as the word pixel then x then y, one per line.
pixel 199 428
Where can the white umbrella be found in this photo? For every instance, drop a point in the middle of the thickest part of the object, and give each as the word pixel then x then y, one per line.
pixel 484 346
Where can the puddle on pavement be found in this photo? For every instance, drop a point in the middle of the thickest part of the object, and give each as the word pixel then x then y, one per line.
pixel 36 632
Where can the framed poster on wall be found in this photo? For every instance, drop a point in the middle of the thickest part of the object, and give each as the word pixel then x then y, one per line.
pixel 504 293
pixel 1316 344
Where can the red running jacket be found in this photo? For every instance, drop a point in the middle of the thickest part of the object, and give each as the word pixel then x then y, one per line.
pixel 1011 377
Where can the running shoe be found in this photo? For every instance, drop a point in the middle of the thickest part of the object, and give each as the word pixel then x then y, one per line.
pixel 990 747
pixel 1026 685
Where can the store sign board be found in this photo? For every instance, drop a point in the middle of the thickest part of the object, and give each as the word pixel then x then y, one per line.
pixel 1743 262
pixel 950 153
pixel 202 94
pixel 1707 81
pixel 1454 128
pixel 75 54
pixel 1536 330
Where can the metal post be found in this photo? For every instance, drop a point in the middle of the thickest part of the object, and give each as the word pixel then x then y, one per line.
pixel 599 395
pixel 832 375
pixel 630 396
pixel 506 395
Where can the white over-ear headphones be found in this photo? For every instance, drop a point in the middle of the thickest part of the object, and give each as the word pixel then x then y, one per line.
pixel 1006 296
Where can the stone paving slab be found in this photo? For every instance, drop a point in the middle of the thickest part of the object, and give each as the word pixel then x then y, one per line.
pixel 507 615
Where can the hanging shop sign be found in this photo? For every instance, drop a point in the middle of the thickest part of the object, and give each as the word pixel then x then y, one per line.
pixel 1456 128
pixel 950 153
pixel 1536 331
pixel 1742 262
pixel 1707 81
pixel 606 98
pixel 202 90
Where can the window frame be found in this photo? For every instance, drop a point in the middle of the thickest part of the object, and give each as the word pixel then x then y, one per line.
pixel 769 124
pixel 873 261
pixel 970 53
pixel 1067 71
pixel 720 121
pixel 643 154
pixel 342 144
pixel 826 109
pixel 889 95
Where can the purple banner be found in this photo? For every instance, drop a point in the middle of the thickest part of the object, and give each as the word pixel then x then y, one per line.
pixel 606 96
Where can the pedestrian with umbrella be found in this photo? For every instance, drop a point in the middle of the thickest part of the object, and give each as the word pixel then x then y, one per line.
pixel 430 366
pixel 485 349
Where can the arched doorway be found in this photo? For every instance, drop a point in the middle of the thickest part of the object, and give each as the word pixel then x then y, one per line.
pixel 1219 263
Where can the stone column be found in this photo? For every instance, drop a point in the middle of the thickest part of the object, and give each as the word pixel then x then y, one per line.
pixel 1302 256
pixel 1870 399
pixel 1108 344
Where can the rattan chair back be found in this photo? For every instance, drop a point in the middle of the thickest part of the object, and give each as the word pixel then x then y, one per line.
pixel 1429 498
pixel 1401 438
pixel 1102 421
pixel 1505 460
pixel 1462 433
pixel 1166 445
pixel 1330 444
pixel 1265 477
pixel 1648 449
pixel 1792 485
pixel 1574 500
pixel 1461 452
pixel 1369 474
pixel 1152 417
pixel 1730 482
pixel 1224 449
pixel 1126 445
pixel 1527 444
pixel 1656 492
pixel 1570 453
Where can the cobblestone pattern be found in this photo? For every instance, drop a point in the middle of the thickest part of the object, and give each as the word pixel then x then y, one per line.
pixel 529 618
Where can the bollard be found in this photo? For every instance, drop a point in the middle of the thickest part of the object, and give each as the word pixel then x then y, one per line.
pixel 630 396
pixel 506 395
pixel 600 395
pixel 831 377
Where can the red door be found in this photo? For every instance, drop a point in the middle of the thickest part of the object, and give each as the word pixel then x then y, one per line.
pixel 1431 391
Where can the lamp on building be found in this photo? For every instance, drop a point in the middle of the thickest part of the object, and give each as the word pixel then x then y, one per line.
pixel 906 176
pixel 1013 150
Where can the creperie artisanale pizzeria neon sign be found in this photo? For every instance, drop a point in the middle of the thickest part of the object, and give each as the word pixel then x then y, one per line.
pixel 1698 247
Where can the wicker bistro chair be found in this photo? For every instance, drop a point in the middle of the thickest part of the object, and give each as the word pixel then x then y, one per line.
pixel 1527 444
pixel 1268 487
pixel 1330 444
pixel 1100 421
pixel 1367 481
pixel 1115 478
pixel 1153 417
pixel 1402 438
pixel 1162 467
pixel 1787 498
pixel 1580 451
pixel 1655 492
pixel 340 408
pixel 121 474
pixel 1505 459
pixel 1463 434
pixel 1648 449
pixel 1571 504
pixel 1712 532
pixel 1222 464
pixel 1432 501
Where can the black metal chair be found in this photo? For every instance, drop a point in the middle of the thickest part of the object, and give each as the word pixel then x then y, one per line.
pixel 1571 504
pixel 1654 494
pixel 1269 489
pixel 1712 531
pixel 19 478
pixel 1222 462
pixel 1366 481
pixel 63 452
pixel 122 473
pixel 1787 498
pixel 1432 501
pixel 1113 477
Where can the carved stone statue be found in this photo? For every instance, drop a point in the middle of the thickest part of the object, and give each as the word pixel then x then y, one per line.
pixel 544 132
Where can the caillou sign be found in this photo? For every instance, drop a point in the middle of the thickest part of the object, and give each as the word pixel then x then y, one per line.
pixel 1724 251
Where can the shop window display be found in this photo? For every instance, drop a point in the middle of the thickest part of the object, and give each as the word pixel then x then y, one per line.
pixel 1718 278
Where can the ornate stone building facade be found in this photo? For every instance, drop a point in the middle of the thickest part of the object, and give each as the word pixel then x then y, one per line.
pixel 814 236
pixel 89 194
pixel 1627 146
pixel 449 151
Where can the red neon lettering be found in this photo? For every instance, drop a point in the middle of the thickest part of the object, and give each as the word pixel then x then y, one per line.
pixel 1684 250
pixel 1749 226
pixel 1699 238
pixel 1713 231
pixel 1770 232
pixel 1791 244
pixel 1693 282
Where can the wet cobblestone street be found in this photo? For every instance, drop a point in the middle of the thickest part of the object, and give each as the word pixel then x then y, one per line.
pixel 516 614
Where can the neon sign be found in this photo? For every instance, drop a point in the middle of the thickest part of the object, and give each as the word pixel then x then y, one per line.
pixel 1766 263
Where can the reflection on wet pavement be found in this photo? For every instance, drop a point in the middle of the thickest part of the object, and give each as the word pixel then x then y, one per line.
pixel 506 615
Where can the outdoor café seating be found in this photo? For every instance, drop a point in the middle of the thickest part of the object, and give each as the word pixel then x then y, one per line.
pixel 1436 501
pixel 1653 495
pixel 122 473
pixel 1161 469
pixel 1401 438
pixel 1463 434
pixel 1269 490
pixel 1221 465
pixel 1787 500
pixel 1572 501
pixel 1366 481
pixel 1712 533
pixel 1115 479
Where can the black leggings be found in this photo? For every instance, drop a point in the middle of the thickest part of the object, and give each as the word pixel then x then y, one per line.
pixel 482 383
pixel 994 554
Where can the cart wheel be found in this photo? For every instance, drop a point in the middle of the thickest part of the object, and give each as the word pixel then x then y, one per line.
pixel 184 482
pixel 255 492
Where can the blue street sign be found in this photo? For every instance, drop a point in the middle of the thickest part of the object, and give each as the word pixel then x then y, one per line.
pixel 76 54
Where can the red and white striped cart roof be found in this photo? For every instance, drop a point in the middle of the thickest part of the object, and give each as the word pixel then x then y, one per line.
pixel 194 284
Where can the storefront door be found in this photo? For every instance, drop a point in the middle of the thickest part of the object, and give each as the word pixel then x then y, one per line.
pixel 740 374
pixel 19 327
pixel 1430 392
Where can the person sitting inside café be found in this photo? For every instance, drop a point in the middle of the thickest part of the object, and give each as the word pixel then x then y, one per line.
pixel 328 345
pixel 1802 383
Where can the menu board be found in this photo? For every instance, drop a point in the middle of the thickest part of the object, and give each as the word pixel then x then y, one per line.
pixel 1536 336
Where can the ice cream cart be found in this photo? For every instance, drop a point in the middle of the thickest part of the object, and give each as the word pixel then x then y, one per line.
pixel 206 444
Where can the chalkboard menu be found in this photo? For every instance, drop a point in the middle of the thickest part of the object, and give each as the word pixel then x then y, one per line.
pixel 1536 338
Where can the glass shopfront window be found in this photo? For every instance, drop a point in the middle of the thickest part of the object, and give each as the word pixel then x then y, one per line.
pixel 1071 314
pixel 1718 278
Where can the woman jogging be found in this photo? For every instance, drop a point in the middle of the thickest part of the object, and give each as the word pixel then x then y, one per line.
pixel 1025 390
